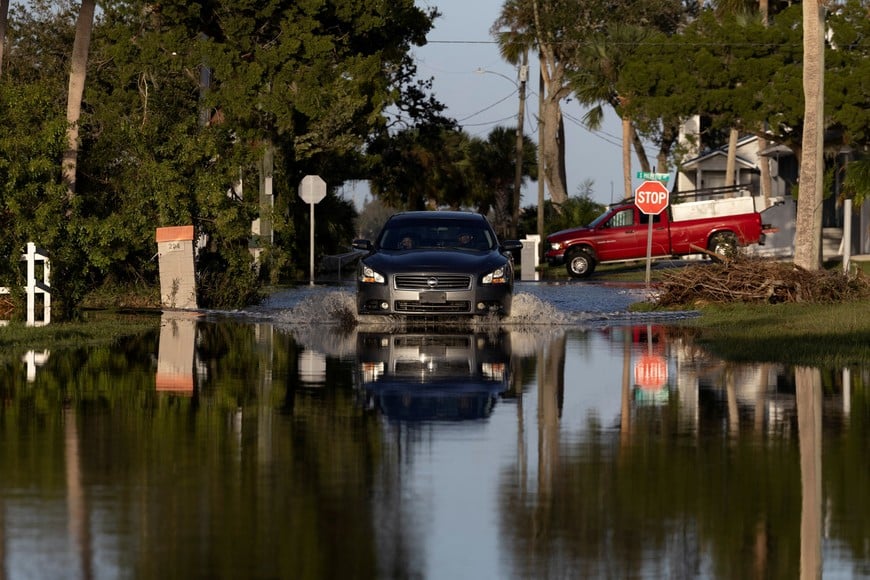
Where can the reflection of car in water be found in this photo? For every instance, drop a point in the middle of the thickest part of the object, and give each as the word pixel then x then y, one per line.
pixel 433 376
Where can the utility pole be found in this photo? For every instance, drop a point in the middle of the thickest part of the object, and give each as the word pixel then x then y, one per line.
pixel 518 176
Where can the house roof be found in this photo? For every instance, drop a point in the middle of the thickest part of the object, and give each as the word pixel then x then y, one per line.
pixel 713 154
pixel 723 152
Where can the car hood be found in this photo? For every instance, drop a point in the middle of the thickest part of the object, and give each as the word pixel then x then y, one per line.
pixel 456 261
pixel 569 233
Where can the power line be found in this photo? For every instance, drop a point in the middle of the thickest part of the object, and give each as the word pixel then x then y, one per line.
pixel 485 109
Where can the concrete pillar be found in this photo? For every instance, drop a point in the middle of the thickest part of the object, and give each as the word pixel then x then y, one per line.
pixel 530 257
pixel 177 274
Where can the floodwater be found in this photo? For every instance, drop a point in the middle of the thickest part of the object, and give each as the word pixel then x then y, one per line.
pixel 575 440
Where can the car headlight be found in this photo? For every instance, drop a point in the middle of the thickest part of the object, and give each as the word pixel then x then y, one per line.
pixel 555 246
pixel 497 276
pixel 369 276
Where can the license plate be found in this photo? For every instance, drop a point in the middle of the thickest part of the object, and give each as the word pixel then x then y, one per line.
pixel 433 297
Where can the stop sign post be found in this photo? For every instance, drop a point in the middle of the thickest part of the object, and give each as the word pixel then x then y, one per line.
pixel 312 190
pixel 651 198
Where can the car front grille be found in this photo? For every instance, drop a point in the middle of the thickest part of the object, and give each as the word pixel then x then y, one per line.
pixel 419 340
pixel 414 307
pixel 441 368
pixel 434 282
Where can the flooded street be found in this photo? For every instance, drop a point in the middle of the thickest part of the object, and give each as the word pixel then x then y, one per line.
pixel 575 440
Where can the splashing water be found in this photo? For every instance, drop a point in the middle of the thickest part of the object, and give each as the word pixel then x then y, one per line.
pixel 531 310
pixel 333 308
pixel 338 308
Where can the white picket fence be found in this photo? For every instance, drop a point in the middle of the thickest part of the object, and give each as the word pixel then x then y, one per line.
pixel 36 288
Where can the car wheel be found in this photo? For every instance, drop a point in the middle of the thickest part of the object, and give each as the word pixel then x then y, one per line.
pixel 579 263
pixel 723 244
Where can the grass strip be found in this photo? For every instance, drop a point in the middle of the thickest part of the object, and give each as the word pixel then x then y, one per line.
pixel 822 335
pixel 93 330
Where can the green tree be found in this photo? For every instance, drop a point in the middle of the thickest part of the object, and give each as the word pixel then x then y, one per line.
pixel 181 105
pixel 421 168
pixel 581 51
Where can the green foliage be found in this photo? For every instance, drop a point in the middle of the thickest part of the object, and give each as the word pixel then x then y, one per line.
pixel 420 168
pixel 181 103
pixel 856 184
pixel 739 73
pixel 576 211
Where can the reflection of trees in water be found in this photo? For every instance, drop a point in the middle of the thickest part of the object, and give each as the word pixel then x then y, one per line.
pixel 722 497
pixel 229 482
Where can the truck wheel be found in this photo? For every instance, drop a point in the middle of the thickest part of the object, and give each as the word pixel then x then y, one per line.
pixel 723 243
pixel 579 263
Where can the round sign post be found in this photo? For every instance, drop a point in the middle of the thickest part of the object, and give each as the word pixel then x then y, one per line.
pixel 651 198
pixel 312 190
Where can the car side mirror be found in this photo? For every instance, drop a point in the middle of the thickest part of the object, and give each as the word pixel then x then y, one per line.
pixel 511 245
pixel 361 244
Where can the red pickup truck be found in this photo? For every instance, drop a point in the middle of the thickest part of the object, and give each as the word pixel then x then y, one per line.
pixel 620 233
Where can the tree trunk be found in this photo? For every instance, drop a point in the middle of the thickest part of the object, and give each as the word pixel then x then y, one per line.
pixel 731 163
pixel 553 162
pixel 553 85
pixel 640 152
pixel 4 20
pixel 78 68
pixel 808 228
pixel 764 162
pixel 765 178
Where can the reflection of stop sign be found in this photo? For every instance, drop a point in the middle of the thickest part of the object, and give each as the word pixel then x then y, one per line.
pixel 651 372
pixel 651 197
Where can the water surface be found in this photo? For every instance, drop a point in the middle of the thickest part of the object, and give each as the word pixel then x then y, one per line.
pixel 293 441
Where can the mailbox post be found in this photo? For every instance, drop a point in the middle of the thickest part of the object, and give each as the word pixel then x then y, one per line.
pixel 177 272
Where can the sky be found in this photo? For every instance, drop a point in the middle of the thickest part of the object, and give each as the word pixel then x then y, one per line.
pixel 461 44
pixel 459 47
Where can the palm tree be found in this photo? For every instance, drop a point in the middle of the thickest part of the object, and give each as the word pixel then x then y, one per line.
pixel 808 228
pixel 525 25
pixel 595 85
pixel 492 165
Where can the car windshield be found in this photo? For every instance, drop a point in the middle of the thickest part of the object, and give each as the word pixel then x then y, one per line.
pixel 597 221
pixel 447 234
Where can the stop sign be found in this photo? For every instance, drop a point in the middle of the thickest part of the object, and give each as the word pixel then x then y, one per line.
pixel 651 197
pixel 312 189
pixel 651 372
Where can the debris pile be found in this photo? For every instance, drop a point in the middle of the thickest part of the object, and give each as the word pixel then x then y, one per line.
pixel 757 280
pixel 6 306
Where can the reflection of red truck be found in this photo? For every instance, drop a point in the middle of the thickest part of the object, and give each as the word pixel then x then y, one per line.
pixel 620 233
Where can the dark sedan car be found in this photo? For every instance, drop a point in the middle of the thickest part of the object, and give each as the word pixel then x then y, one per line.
pixel 428 263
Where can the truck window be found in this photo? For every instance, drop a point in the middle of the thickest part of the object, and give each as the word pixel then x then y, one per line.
pixel 622 219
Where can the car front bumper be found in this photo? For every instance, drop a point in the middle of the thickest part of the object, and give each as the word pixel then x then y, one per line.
pixel 373 298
